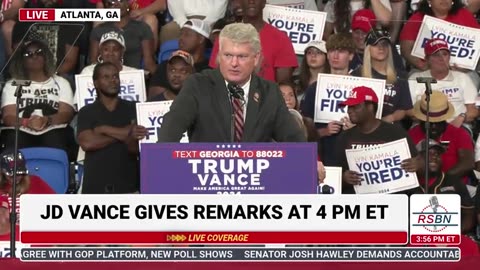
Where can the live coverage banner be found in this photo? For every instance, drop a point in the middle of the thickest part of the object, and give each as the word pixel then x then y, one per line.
pixel 213 219
pixel 380 168
pixel 212 168
pixel 150 115
pixel 132 87
pixel 463 42
pixel 301 26
pixel 332 90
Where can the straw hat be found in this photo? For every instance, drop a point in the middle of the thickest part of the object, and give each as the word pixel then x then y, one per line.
pixel 440 108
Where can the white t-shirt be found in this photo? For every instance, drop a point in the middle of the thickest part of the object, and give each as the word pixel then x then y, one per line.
pixel 458 86
pixel 300 4
pixel 355 5
pixel 52 91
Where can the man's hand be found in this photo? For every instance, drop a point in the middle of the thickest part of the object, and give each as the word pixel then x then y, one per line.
pixel 4 221
pixel 321 172
pixel 458 121
pixel 347 124
pixel 334 127
pixel 137 132
pixel 37 123
pixel 411 164
pixel 352 178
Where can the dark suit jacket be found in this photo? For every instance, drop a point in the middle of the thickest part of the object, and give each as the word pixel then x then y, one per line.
pixel 203 109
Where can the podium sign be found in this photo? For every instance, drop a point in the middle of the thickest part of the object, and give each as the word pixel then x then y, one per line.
pixel 212 168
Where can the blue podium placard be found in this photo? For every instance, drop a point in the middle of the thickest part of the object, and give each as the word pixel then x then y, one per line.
pixel 213 168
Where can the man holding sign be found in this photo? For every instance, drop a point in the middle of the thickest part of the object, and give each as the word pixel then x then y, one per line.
pixel 369 131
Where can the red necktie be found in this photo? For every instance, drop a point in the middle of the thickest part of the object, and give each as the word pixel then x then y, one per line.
pixel 238 110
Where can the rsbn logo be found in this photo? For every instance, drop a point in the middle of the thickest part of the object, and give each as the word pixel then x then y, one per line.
pixel 434 217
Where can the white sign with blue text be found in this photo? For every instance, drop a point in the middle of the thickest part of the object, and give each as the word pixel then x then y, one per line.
pixel 463 42
pixel 380 167
pixel 301 26
pixel 132 87
pixel 150 115
pixel 332 90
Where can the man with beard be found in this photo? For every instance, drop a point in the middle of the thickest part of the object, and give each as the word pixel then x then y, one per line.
pixel 109 136
pixel 369 131
pixel 179 66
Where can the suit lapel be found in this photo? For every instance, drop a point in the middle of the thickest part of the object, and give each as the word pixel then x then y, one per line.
pixel 254 98
pixel 221 102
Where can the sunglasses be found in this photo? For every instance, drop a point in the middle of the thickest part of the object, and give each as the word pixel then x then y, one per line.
pixel 33 53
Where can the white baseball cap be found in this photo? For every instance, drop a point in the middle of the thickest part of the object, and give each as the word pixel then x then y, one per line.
pixel 200 26
pixel 112 35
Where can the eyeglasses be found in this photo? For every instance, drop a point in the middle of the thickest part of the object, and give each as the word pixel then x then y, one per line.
pixel 33 53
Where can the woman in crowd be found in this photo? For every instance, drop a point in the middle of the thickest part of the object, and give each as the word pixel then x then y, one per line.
pixel 339 13
pixel 45 107
pixel 451 11
pixel 143 10
pixel 26 184
pixel 378 64
pixel 314 62
pixel 111 49
pixel 139 44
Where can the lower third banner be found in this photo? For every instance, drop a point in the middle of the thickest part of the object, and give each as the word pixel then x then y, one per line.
pixel 242 254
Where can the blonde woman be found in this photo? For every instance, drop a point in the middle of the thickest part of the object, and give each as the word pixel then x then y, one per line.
pixel 378 64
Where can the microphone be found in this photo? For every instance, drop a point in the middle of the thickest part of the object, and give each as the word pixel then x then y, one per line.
pixel 19 84
pixel 426 80
pixel 434 203
pixel 236 91
pixel 326 189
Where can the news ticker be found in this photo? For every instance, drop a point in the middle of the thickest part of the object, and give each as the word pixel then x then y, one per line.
pixel 239 219
pixel 353 254
pixel 68 15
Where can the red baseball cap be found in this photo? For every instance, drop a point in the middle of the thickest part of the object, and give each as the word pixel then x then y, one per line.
pixel 434 45
pixel 359 95
pixel 363 19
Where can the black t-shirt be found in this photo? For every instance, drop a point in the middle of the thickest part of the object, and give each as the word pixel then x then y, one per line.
pixel 111 169
pixel 397 95
pixel 354 139
pixel 449 184
pixel 56 36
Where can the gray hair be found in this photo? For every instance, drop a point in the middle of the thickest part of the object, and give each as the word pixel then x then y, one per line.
pixel 241 33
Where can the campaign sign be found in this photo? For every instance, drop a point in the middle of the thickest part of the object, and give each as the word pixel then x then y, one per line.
pixel 332 184
pixel 332 90
pixel 463 42
pixel 301 26
pixel 132 87
pixel 224 168
pixel 150 115
pixel 380 168
pixel 435 219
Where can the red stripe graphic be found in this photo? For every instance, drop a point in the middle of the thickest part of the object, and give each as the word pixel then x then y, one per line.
pixel 214 237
